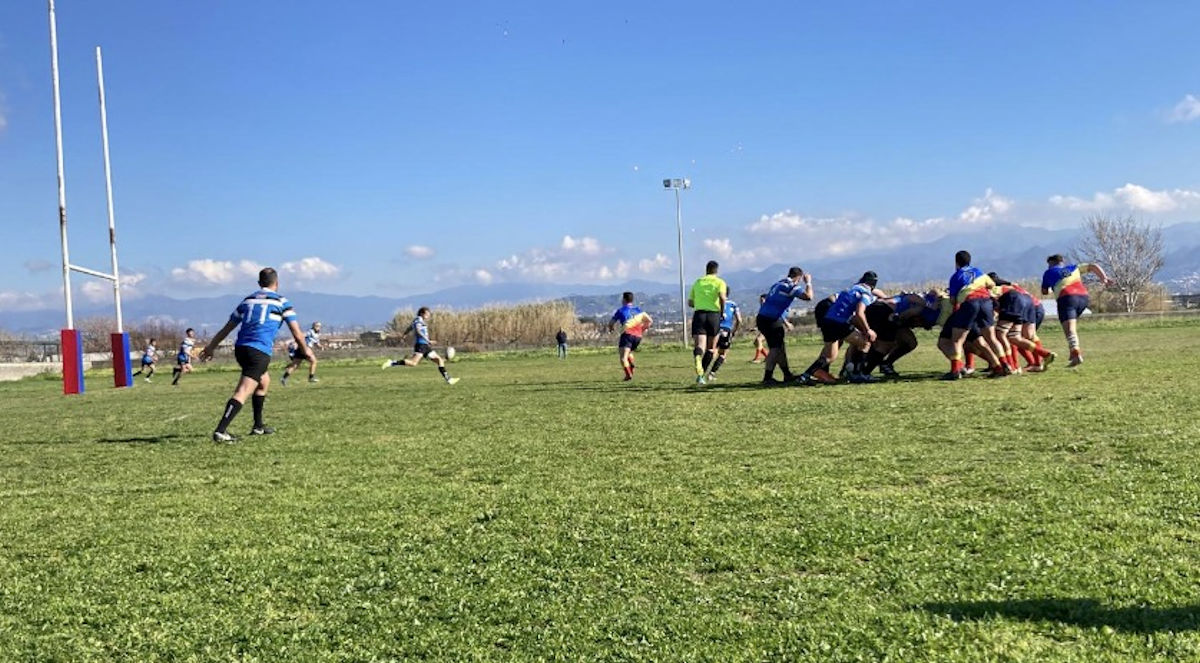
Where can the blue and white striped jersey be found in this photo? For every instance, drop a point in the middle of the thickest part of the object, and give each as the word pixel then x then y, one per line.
pixel 261 315
pixel 421 329
pixel 185 347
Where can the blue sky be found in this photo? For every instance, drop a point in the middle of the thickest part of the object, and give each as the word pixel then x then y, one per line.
pixel 387 148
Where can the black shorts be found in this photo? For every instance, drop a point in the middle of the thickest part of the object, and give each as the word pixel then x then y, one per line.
pixel 772 330
pixel 882 320
pixel 832 330
pixel 724 338
pixel 974 313
pixel 629 341
pixel 423 349
pixel 706 322
pixel 1015 307
pixel 254 363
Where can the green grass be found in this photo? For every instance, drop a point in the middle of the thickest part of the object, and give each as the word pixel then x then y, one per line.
pixel 544 510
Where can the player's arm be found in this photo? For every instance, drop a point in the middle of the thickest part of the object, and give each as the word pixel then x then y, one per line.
pixel 737 321
pixel 879 294
pixel 1093 268
pixel 807 294
pixel 722 297
pixel 215 341
pixel 860 321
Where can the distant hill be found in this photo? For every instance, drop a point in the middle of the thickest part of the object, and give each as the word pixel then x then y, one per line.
pixel 1017 253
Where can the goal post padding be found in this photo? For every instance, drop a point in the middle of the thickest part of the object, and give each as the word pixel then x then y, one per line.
pixel 71 346
pixel 122 368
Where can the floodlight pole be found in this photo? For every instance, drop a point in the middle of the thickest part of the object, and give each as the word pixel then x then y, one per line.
pixel 678 184
pixel 112 232
pixel 62 189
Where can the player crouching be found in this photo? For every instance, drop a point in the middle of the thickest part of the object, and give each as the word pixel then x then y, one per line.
pixel 423 346
pixel 312 338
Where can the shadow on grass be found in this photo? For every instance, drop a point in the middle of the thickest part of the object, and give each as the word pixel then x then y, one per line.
pixel 142 439
pixel 1086 613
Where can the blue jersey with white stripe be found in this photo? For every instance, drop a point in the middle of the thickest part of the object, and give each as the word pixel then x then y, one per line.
pixel 185 349
pixel 421 329
pixel 847 303
pixel 261 315
pixel 729 315
pixel 779 298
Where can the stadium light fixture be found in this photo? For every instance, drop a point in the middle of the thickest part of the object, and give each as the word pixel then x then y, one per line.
pixel 678 184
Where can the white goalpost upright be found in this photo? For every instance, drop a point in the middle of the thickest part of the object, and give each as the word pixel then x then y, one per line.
pixel 71 346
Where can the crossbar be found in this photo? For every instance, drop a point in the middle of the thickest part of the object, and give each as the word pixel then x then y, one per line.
pixel 92 272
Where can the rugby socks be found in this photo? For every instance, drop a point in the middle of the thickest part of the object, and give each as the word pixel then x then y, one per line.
pixel 874 358
pixel 956 364
pixel 970 362
pixel 445 374
pixel 175 373
pixel 820 364
pixel 628 368
pixel 231 410
pixel 138 372
pixel 1073 343
pixel 717 365
pixel 698 358
pixel 257 402
pixel 707 361
pixel 1030 358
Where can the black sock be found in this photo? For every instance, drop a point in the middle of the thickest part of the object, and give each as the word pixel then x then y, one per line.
pixel 175 373
pixel 873 359
pixel 442 370
pixel 820 364
pixel 717 364
pixel 708 358
pixel 138 372
pixel 257 402
pixel 231 410
pixel 899 352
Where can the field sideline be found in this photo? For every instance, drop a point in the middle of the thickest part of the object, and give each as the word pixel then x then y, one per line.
pixel 544 510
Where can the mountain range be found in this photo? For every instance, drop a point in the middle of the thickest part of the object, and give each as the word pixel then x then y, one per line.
pixel 1015 253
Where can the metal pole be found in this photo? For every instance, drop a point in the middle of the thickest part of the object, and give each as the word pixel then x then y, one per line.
pixel 112 230
pixel 682 297
pixel 62 189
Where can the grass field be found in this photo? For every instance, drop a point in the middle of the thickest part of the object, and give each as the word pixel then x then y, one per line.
pixel 544 510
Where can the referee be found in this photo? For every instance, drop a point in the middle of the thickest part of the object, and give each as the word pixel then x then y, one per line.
pixel 707 297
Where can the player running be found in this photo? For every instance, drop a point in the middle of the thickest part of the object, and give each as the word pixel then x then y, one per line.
pixel 260 316
pixel 634 323
pixel 312 338
pixel 845 321
pixel 731 321
pixel 422 346
pixel 149 358
pixel 707 297
pixel 1066 283
pixel 771 321
pixel 183 358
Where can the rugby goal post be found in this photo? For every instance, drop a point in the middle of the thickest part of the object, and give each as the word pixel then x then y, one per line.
pixel 71 346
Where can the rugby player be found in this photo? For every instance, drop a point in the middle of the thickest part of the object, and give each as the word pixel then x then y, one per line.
pixel 845 321
pixel 971 293
pixel 707 298
pixel 771 321
pixel 260 316
pixel 312 338
pixel 149 358
pixel 634 322
pixel 731 321
pixel 183 358
pixel 422 346
pixel 1066 283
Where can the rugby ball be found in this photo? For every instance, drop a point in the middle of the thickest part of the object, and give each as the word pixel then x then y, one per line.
pixel 450 352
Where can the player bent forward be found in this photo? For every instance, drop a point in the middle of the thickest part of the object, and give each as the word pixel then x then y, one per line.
pixel 312 338
pixel 260 316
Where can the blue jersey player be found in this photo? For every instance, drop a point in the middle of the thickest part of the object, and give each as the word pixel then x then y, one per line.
pixel 312 338
pixel 731 321
pixel 183 359
pixel 260 316
pixel 149 357
pixel 771 320
pixel 422 346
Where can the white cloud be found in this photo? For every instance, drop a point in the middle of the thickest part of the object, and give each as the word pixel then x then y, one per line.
pixel 207 271
pixel 574 259
pixel 101 291
pixel 13 300
pixel 586 245
pixel 419 252
pixel 310 269
pixel 1186 110
pixel 1131 197
pixel 484 276
pixel 656 264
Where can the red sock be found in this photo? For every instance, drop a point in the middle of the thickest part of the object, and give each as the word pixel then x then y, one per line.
pixel 1030 358
pixel 956 365
pixel 1012 358
pixel 970 363
pixel 628 371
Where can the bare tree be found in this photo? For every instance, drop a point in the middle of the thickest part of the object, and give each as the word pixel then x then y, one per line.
pixel 1131 252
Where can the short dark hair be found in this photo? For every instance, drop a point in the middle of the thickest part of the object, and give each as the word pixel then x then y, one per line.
pixel 962 258
pixel 711 267
pixel 153 340
pixel 793 272
pixel 188 330
pixel 423 310
pixel 267 277
pixel 627 297
pixel 997 280
pixel 869 278
pixel 1055 259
